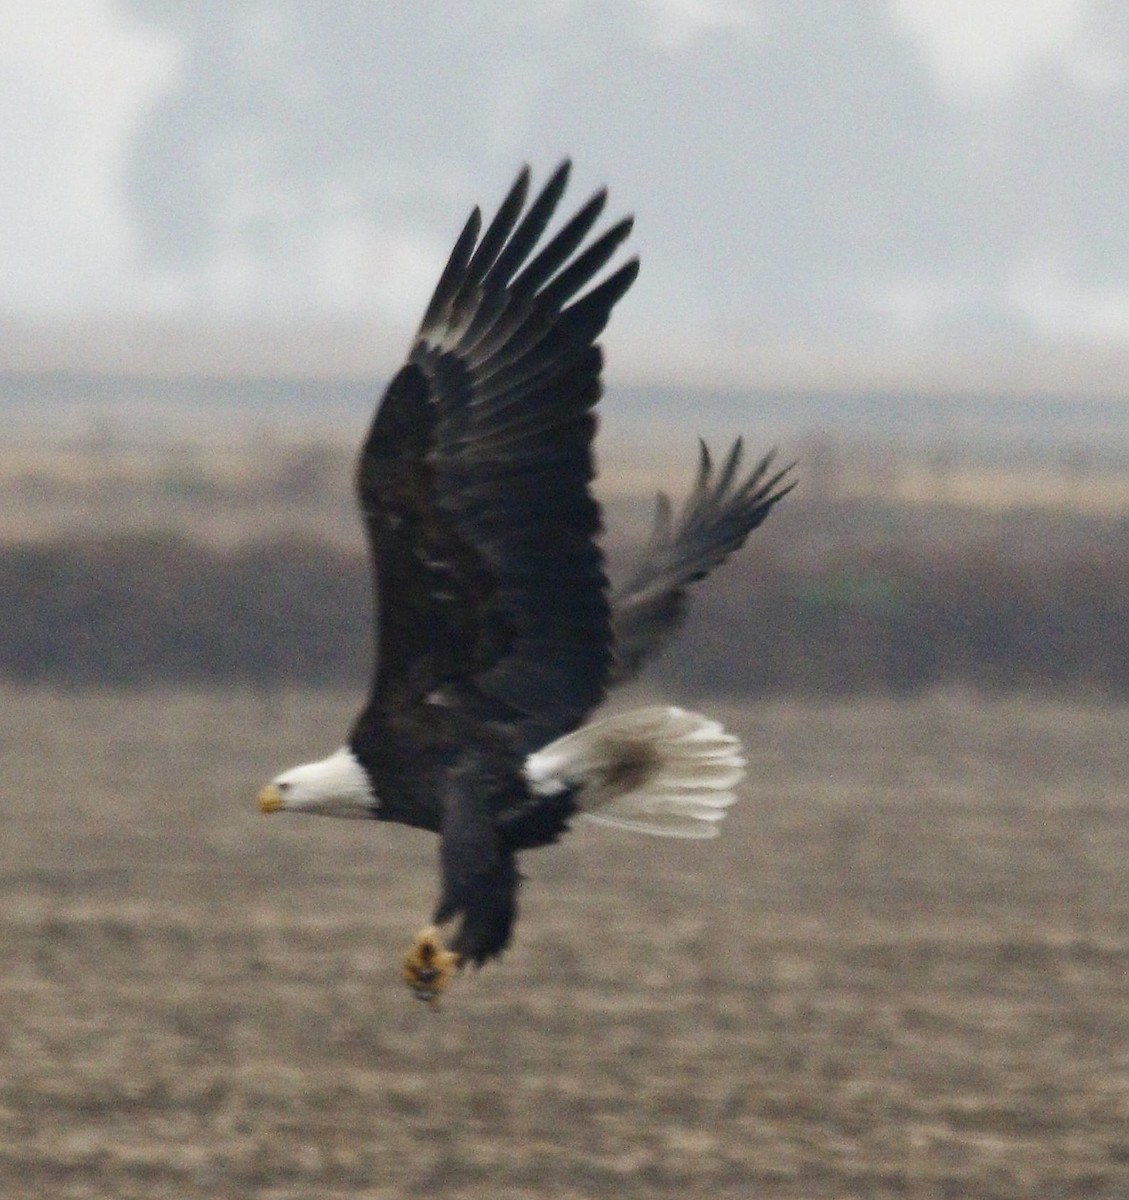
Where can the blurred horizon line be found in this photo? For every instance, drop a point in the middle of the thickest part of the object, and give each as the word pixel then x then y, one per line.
pixel 356 350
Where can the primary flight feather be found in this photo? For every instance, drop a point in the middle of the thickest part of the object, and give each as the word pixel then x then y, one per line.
pixel 496 637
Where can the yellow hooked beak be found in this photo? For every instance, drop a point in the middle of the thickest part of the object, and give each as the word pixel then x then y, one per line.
pixel 270 799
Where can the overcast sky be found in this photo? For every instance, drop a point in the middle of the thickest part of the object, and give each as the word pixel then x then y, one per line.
pixel 943 172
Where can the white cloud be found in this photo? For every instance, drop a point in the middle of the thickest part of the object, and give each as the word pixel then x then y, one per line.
pixel 679 23
pixel 73 80
pixel 916 306
pixel 1059 306
pixel 981 49
pixel 358 268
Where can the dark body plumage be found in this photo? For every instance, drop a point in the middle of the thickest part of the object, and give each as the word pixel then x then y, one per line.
pixel 494 630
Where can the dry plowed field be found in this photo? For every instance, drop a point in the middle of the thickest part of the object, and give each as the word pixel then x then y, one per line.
pixel 902 971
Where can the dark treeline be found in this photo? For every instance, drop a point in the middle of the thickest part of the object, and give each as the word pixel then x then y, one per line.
pixel 160 608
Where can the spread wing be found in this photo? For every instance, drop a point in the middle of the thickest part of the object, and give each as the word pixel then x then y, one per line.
pixel 719 514
pixel 474 479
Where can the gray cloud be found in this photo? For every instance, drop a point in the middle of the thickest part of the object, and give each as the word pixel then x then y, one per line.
pixel 804 172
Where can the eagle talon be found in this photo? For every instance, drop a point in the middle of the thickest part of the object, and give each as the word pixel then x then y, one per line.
pixel 428 966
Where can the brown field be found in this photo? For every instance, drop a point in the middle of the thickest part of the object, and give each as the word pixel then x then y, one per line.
pixel 265 485
pixel 903 971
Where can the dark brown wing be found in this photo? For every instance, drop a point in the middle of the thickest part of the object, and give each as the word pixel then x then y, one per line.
pixel 474 480
pixel 719 514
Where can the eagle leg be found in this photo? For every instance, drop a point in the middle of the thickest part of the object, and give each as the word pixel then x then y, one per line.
pixel 428 965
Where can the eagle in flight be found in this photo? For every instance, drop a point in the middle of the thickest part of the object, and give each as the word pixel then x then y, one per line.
pixel 496 631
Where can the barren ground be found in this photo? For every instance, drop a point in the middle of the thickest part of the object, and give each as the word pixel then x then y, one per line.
pixel 903 971
pixel 266 485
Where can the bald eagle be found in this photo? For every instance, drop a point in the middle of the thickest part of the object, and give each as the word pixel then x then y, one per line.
pixel 496 631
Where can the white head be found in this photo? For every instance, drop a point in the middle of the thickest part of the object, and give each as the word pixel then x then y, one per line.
pixel 337 786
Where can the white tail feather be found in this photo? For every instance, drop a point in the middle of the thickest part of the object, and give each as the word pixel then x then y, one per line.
pixel 661 771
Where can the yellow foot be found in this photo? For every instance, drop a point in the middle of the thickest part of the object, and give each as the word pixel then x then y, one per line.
pixel 428 966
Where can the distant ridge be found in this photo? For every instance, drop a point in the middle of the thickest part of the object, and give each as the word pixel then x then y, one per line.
pixel 356 349
pixel 202 406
